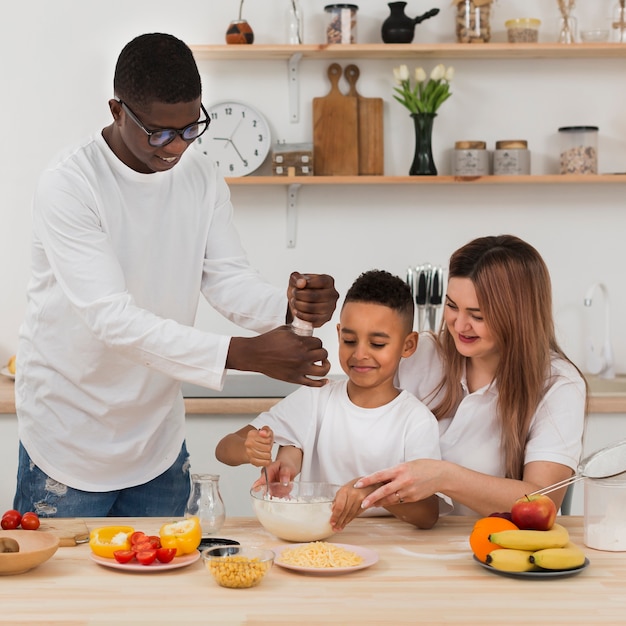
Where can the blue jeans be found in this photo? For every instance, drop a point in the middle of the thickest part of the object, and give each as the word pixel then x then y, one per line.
pixel 164 496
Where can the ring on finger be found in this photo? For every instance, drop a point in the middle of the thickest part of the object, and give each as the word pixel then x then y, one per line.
pixel 400 500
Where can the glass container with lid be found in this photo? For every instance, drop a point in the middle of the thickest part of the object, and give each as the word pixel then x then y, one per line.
pixel 579 149
pixel 341 23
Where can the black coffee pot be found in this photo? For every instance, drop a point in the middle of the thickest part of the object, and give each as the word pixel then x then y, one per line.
pixel 399 27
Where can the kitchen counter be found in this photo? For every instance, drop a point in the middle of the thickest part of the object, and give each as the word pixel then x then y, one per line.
pixel 236 398
pixel 422 577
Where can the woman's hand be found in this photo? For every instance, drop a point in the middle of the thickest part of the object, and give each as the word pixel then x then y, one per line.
pixel 408 482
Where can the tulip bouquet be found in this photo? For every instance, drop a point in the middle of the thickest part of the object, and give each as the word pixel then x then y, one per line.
pixel 427 95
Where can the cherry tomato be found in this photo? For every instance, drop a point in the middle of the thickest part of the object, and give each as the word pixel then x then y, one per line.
pixel 145 557
pixel 137 537
pixel 124 556
pixel 30 521
pixel 142 547
pixel 11 520
pixel 154 541
pixel 165 555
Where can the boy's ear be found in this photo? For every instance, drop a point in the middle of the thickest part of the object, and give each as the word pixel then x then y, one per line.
pixel 410 344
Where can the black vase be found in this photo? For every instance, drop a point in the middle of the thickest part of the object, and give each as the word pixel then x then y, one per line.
pixel 399 27
pixel 423 162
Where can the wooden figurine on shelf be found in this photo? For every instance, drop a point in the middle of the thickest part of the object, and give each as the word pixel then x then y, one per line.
pixel 239 31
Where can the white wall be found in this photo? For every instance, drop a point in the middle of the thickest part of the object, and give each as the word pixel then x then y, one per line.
pixel 57 66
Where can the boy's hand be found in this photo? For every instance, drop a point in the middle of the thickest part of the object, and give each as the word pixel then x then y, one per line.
pixel 277 472
pixel 347 505
pixel 258 446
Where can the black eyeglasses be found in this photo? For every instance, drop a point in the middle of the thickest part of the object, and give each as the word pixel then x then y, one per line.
pixel 162 136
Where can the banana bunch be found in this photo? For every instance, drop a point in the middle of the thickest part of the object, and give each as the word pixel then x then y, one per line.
pixel 528 550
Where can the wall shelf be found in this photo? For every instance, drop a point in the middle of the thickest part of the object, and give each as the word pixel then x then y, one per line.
pixel 396 51
pixel 549 179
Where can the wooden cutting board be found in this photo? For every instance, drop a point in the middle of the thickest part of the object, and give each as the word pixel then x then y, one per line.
pixel 69 530
pixel 370 127
pixel 335 131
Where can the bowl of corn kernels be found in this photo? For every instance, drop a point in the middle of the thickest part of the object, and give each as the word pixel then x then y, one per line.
pixel 238 567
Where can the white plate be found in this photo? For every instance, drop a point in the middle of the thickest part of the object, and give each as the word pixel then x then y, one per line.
pixel 546 573
pixel 5 372
pixel 179 561
pixel 369 558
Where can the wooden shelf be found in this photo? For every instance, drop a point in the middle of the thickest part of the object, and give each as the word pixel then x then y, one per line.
pixel 396 51
pixel 550 179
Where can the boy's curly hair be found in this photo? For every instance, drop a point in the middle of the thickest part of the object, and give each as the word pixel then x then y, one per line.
pixel 382 287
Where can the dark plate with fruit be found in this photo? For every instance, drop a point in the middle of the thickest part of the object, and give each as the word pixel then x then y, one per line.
pixel 560 573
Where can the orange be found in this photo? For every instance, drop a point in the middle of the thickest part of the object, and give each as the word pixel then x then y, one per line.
pixel 479 537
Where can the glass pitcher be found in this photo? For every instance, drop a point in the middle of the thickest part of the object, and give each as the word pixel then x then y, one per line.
pixel 205 501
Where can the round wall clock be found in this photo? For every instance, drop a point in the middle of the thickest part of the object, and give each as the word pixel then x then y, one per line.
pixel 238 139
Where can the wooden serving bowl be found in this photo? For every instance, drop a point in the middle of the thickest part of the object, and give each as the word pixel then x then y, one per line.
pixel 36 547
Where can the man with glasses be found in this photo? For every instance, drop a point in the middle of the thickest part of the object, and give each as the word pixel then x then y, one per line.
pixel 128 232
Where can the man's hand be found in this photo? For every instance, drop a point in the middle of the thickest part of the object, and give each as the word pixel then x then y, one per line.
pixel 311 297
pixel 281 354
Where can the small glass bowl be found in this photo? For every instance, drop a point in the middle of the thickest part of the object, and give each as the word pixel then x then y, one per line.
pixel 594 36
pixel 238 567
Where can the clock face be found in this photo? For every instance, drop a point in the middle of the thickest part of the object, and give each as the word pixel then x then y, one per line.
pixel 238 139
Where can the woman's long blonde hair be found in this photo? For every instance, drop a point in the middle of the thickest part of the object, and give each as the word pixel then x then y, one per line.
pixel 514 294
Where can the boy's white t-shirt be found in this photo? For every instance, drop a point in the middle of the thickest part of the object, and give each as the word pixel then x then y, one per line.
pixel 341 441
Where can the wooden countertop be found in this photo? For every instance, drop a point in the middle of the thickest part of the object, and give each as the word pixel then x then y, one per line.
pixel 422 577
pixel 604 403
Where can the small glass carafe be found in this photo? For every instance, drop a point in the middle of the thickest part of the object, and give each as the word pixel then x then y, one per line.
pixel 205 501
pixel 568 25
pixel 618 23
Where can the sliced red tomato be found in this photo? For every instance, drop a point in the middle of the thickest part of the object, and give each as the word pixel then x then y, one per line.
pixel 30 521
pixel 155 541
pixel 124 556
pixel 142 547
pixel 137 537
pixel 165 555
pixel 145 557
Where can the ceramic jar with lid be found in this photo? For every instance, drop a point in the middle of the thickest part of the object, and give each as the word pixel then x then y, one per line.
pixel 511 158
pixel 470 158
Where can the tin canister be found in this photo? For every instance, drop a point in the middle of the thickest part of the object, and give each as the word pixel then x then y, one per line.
pixel 511 158
pixel 470 158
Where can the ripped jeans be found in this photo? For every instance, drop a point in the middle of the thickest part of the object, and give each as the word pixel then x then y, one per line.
pixel 164 496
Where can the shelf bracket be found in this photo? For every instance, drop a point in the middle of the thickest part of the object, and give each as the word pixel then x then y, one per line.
pixel 292 214
pixel 293 68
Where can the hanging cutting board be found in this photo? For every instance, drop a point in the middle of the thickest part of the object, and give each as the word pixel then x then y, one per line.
pixel 370 127
pixel 335 131
pixel 69 530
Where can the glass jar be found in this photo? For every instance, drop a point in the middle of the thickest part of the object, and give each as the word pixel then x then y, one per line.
pixel 470 158
pixel 341 23
pixel 205 502
pixel 473 21
pixel 579 149
pixel 523 30
pixel 605 503
pixel 511 158
pixel 295 22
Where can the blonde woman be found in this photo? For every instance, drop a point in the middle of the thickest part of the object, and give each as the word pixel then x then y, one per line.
pixel 509 403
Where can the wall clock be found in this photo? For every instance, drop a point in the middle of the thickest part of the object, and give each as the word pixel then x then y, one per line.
pixel 238 139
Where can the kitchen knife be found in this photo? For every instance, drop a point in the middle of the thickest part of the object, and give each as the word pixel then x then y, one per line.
pixel 421 296
pixel 436 296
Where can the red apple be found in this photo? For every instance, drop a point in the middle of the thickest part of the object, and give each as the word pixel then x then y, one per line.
pixel 534 512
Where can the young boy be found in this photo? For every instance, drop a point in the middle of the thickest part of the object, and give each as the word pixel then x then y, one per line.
pixel 352 427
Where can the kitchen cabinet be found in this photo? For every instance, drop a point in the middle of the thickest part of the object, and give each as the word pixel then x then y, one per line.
pixel 294 54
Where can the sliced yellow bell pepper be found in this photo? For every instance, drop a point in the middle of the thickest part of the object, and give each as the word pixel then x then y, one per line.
pixel 104 541
pixel 184 535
